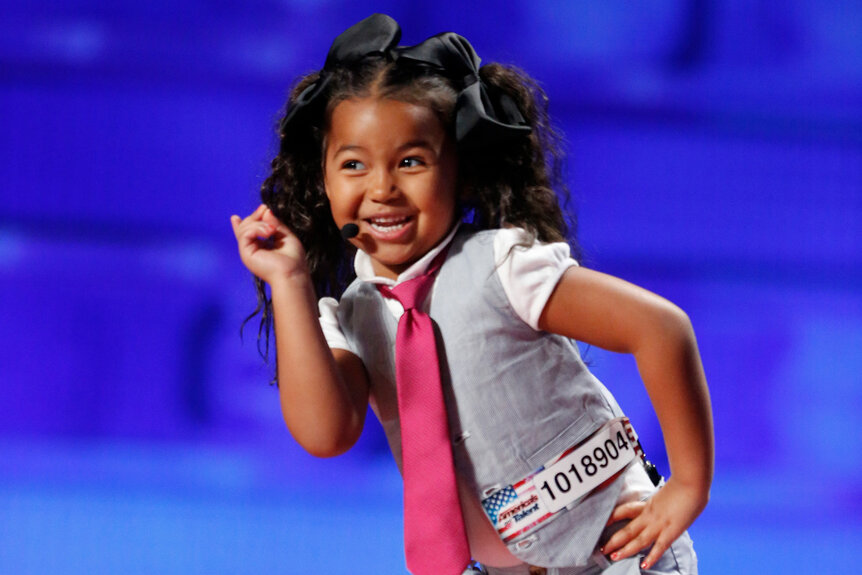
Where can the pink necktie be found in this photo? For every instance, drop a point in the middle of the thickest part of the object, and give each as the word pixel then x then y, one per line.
pixel 435 540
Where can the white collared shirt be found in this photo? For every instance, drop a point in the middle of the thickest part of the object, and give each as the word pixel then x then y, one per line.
pixel 528 275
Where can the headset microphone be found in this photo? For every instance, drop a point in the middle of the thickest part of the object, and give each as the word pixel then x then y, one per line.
pixel 350 230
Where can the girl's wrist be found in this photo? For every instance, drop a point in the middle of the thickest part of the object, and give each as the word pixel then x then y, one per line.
pixel 291 279
pixel 698 489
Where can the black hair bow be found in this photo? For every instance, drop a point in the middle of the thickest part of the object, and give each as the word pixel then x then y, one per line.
pixel 482 115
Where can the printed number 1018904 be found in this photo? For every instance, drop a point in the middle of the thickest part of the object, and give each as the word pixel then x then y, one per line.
pixel 585 468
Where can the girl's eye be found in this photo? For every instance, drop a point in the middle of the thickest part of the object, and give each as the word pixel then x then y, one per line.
pixel 353 165
pixel 411 162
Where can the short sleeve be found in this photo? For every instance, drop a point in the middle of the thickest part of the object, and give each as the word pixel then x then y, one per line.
pixel 328 308
pixel 529 273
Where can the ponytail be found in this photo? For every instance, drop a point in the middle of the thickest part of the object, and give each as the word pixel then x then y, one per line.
pixel 518 182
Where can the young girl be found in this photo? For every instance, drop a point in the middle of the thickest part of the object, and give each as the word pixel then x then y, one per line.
pixel 432 175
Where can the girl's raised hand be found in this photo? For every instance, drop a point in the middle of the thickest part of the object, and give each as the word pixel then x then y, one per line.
pixel 267 247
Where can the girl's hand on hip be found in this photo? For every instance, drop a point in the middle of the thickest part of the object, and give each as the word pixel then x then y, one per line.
pixel 267 247
pixel 658 521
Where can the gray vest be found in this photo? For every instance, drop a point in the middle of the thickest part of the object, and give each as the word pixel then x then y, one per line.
pixel 516 397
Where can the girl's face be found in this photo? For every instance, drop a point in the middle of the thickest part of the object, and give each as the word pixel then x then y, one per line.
pixel 390 168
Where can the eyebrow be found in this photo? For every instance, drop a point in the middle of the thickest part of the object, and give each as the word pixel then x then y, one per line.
pixel 346 148
pixel 418 143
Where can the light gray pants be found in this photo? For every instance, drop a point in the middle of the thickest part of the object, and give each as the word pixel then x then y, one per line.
pixel 679 559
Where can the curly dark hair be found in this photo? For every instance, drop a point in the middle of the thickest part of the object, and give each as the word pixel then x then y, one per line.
pixel 511 182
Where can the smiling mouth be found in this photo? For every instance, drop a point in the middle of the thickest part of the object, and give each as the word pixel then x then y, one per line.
pixel 388 224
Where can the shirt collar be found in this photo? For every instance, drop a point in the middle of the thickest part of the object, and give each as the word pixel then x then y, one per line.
pixel 365 271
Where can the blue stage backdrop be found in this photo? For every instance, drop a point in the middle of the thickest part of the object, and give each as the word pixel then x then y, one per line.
pixel 715 157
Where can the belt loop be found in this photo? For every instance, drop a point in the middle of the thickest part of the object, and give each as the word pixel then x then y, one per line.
pixel 600 560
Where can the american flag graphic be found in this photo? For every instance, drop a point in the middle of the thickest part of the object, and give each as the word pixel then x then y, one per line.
pixel 497 501
pixel 515 510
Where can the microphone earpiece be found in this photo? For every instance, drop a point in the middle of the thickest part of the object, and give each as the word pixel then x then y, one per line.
pixel 350 230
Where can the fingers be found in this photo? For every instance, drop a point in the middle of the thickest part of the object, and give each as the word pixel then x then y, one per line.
pixel 637 534
pixel 644 530
pixel 646 537
pixel 247 232
pixel 654 524
pixel 616 546
pixel 626 511
pixel 658 549
pixel 628 540
pixel 256 215
pixel 255 225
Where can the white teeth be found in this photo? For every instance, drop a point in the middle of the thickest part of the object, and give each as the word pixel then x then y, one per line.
pixel 388 224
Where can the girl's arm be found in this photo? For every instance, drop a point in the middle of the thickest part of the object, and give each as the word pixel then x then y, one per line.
pixel 323 392
pixel 612 314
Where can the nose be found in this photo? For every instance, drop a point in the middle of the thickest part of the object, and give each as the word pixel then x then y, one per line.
pixel 383 185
